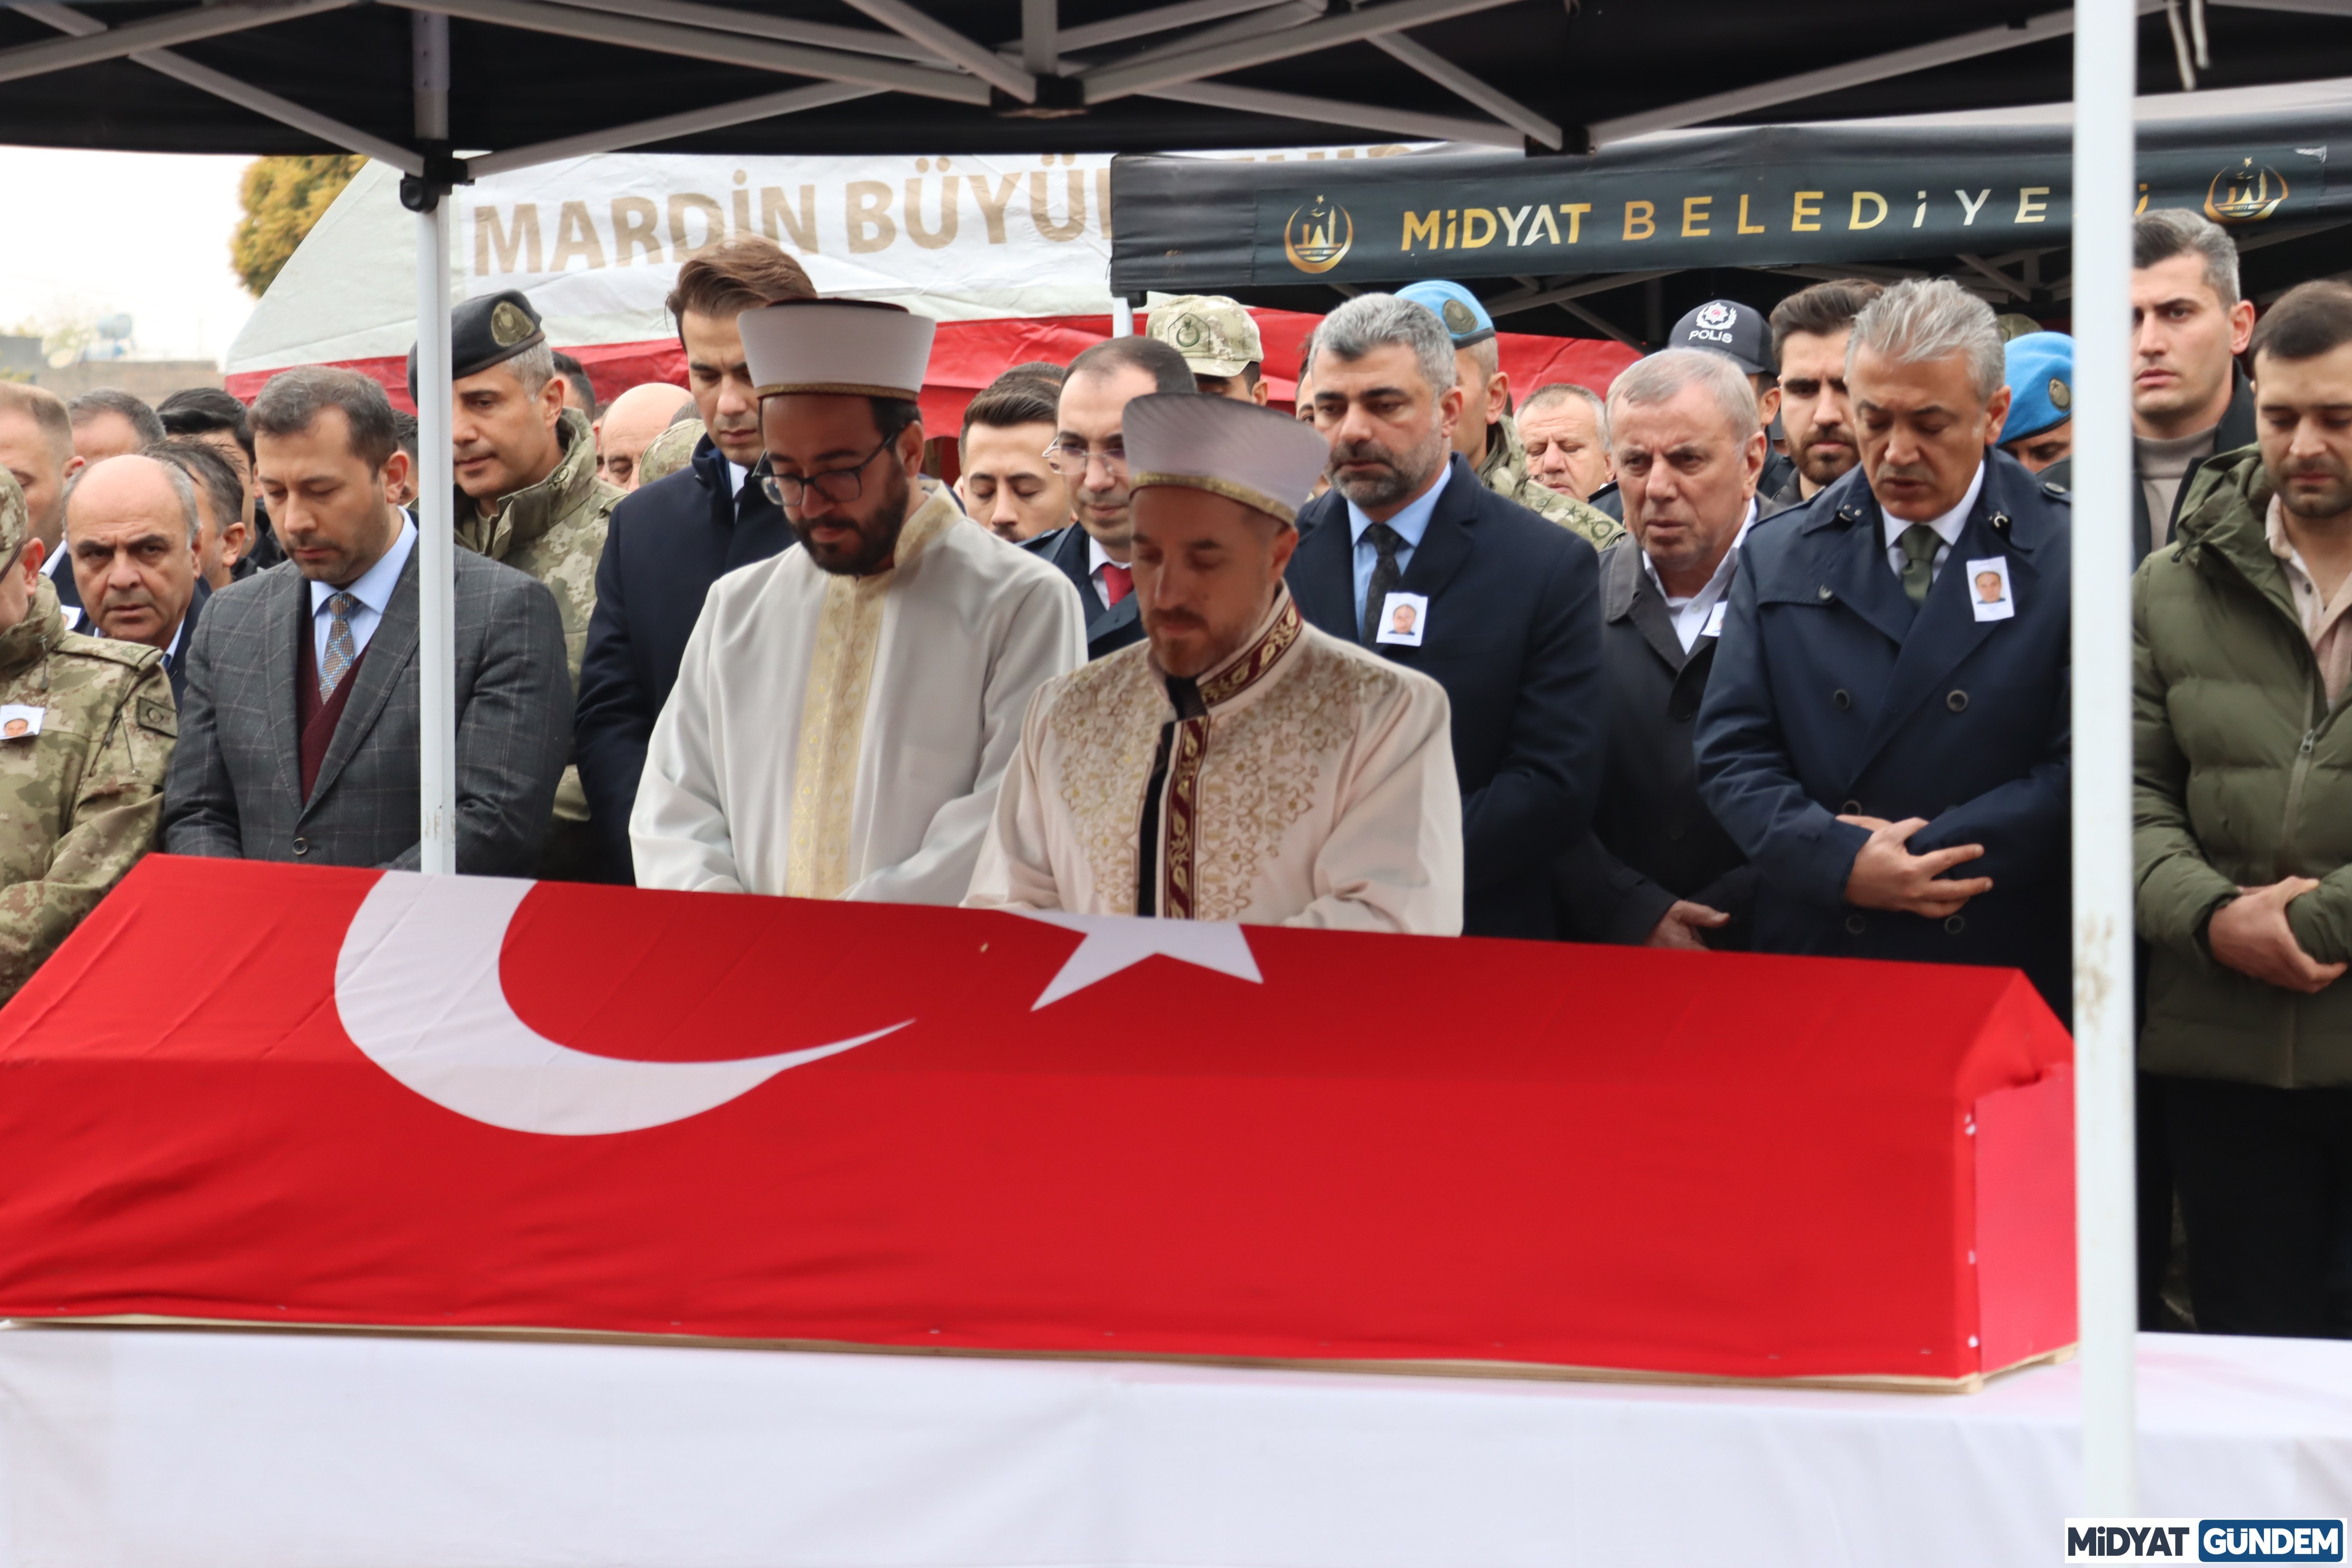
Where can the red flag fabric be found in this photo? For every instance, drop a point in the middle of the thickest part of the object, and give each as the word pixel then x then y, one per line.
pixel 262 1093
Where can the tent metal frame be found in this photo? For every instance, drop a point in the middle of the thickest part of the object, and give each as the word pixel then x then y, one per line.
pixel 1045 70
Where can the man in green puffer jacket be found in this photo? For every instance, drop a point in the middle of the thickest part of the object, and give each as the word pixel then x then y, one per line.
pixel 2242 817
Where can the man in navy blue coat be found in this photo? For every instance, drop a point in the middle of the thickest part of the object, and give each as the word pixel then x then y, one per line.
pixel 1411 557
pixel 668 541
pixel 1886 730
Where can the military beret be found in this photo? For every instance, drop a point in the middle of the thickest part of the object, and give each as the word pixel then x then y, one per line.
pixel 485 331
pixel 2040 384
pixel 16 522
pixel 1466 321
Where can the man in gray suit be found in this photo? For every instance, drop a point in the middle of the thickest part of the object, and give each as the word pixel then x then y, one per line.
pixel 298 734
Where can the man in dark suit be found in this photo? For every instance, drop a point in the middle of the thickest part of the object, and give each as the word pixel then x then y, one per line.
pixel 1505 606
pixel 1886 730
pixel 669 541
pixel 300 736
pixel 1656 869
pixel 134 538
pixel 1090 455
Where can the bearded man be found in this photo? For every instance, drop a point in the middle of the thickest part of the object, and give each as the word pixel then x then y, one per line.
pixel 844 711
pixel 1141 783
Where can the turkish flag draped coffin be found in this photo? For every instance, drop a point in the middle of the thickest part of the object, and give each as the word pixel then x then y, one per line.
pixel 258 1093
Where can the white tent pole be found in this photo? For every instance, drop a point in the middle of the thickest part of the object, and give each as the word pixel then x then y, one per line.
pixel 2106 67
pixel 1122 317
pixel 436 549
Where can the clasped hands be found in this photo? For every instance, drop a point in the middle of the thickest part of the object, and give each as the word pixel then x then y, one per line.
pixel 2251 934
pixel 1887 876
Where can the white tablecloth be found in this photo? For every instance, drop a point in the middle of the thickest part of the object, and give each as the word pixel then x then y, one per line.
pixel 158 1448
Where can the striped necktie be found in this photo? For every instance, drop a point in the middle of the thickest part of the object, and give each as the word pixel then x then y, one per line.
pixel 341 650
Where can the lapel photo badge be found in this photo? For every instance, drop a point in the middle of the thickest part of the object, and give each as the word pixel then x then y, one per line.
pixel 1714 627
pixel 18 720
pixel 1403 618
pixel 1988 591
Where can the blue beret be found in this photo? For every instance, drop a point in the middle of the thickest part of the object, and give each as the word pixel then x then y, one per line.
pixel 2040 384
pixel 1465 319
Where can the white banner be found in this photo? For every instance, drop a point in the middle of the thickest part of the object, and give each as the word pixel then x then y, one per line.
pixel 596 243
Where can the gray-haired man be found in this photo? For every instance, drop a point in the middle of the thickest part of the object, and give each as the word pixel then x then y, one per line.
pixel 1885 735
pixel 1504 605
pixel 132 533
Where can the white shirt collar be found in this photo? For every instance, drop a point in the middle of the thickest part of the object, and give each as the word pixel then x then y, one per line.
pixel 1097 557
pixel 49 562
pixel 736 474
pixel 1723 568
pixel 376 585
pixel 1948 527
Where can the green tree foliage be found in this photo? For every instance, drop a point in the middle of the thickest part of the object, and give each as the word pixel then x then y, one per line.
pixel 282 198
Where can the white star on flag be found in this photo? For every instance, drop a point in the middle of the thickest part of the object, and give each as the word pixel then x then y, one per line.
pixel 1113 942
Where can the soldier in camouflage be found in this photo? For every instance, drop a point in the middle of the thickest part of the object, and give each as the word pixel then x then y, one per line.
pixel 1488 436
pixel 528 492
pixel 86 732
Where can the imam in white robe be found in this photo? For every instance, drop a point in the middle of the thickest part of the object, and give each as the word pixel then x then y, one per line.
pixel 843 737
pixel 1315 788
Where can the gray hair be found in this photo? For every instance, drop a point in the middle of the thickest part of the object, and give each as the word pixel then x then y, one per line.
pixel 182 490
pixel 2167 232
pixel 1666 374
pixel 1370 322
pixel 205 467
pixel 1923 318
pixel 1553 391
pixel 535 367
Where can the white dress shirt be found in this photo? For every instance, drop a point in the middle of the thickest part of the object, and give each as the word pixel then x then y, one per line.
pixel 373 592
pixel 1690 616
pixel 736 474
pixel 1948 528
pixel 1409 524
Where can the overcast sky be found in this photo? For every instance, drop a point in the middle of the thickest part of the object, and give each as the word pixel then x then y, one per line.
pixel 96 234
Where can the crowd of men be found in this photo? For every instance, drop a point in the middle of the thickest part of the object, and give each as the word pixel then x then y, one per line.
pixel 1764 648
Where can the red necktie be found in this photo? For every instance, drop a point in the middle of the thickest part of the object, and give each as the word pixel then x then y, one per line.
pixel 1118 583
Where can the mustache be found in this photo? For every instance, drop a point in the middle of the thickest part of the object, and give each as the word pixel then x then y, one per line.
pixel 1362 452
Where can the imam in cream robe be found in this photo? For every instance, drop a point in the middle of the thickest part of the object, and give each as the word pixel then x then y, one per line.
pixel 1316 789
pixel 836 737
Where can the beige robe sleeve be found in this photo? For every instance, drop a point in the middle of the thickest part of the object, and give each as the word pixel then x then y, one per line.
pixel 1015 871
pixel 1392 859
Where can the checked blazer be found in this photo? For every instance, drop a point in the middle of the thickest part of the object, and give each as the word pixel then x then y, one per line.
pixel 234 787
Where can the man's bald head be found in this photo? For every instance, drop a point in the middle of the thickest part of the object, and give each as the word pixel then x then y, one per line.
pixel 631 422
pixel 132 528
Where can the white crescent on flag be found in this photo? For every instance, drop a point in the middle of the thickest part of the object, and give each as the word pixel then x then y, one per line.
pixel 418 989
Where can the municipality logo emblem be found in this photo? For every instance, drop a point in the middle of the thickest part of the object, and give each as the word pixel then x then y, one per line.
pixel 2245 194
pixel 1318 236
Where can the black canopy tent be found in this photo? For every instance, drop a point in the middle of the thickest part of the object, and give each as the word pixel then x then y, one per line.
pixel 1590 240
pixel 416 82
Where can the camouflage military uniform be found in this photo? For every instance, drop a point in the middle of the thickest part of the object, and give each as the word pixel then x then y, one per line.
pixel 80 796
pixel 1505 472
pixel 669 452
pixel 554 530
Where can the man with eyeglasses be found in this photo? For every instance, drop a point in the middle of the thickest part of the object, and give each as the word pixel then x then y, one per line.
pixel 1090 455
pixel 844 711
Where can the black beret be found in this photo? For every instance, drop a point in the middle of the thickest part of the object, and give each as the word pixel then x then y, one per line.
pixel 485 331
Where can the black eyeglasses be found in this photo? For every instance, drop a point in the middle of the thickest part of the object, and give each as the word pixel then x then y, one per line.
pixel 836 485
